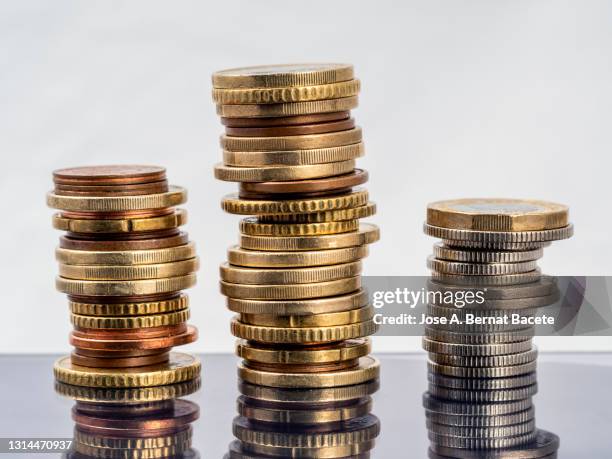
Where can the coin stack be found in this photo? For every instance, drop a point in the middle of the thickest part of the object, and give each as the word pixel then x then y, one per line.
pixel 146 422
pixel 294 280
pixel 482 372
pixel 123 264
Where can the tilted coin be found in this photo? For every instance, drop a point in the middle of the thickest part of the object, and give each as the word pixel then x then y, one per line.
pixel 291 291
pixel 345 350
pixel 292 143
pixel 497 214
pixel 296 157
pixel 282 173
pixel 353 213
pixel 126 272
pixel 479 269
pixel 366 234
pixel 485 256
pixel 175 303
pixel 313 397
pixel 367 370
pixel 318 320
pixel 494 237
pixel 125 257
pixel 124 287
pixel 476 349
pixel 262 259
pixel 288 109
pixel 148 321
pixel 253 227
pixel 247 275
pixel 124 225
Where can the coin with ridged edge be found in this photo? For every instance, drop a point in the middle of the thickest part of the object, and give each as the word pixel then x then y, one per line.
pixel 492 280
pixel 253 227
pixel 449 407
pixel 491 338
pixel 262 259
pixel 282 173
pixel 148 321
pixel 480 269
pixel 481 421
pixel 240 450
pixel 482 432
pixel 125 257
pixel 480 443
pixel 177 303
pixel 485 361
pixel 329 319
pixel 368 369
pixel 354 213
pixel 477 384
pixel 129 272
pixel 297 157
pixel 98 441
pixel 124 287
pixel 121 225
pixel 281 276
pixel 128 453
pixel 291 291
pixel 312 396
pixel 181 367
pixel 439 347
pixel 485 256
pixel 482 372
pixel 503 237
pixel 293 142
pixel 288 109
pixel 346 350
pixel 483 396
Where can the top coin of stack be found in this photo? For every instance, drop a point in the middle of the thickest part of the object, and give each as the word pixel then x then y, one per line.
pixel 123 264
pixel 295 280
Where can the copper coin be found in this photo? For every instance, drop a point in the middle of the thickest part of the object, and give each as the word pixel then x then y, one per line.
pixel 116 354
pixel 119 362
pixel 129 333
pixel 326 184
pixel 162 342
pixel 302 129
pixel 115 190
pixel 290 196
pixel 123 299
pixel 127 174
pixel 144 244
pixel 116 410
pixel 303 368
pixel 181 415
pixel 124 236
pixel 119 215
pixel 285 120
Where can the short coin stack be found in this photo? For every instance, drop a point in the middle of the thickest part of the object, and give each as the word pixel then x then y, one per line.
pixel 123 264
pixel 295 278
pixel 482 375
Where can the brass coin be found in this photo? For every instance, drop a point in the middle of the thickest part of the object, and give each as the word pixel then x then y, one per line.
pixel 126 225
pixel 288 109
pixel 110 245
pixel 181 367
pixel 300 307
pixel 125 287
pixel 284 276
pixel 119 362
pixel 304 335
pixel 135 272
pixel 282 173
pixel 109 175
pixel 346 350
pixel 292 142
pixel 353 213
pixel 303 368
pixel 316 320
pixel 240 450
pixel 367 370
pixel 300 129
pixel 172 304
pixel 148 321
pixel 291 291
pixel 367 234
pixel 125 257
pixel 137 443
pixel 253 227
pixel 293 157
pixel 311 397
pixel 497 215
pixel 339 182
pixel 273 76
pixel 173 197
pixel 286 121
pixel 149 453
pixel 234 205
pixel 283 95
pixel 262 259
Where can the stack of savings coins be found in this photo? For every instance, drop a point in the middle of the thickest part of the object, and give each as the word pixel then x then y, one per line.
pixel 482 366
pixel 123 263
pixel 295 278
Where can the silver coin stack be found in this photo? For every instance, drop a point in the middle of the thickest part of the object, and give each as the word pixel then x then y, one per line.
pixel 482 367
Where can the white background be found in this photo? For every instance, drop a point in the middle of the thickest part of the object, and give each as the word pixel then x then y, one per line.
pixel 459 99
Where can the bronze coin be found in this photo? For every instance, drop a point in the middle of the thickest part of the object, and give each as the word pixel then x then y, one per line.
pixel 124 236
pixel 129 333
pixel 123 299
pixel 285 120
pixel 302 129
pixel 116 410
pixel 180 416
pixel 119 354
pixel 112 190
pixel 303 368
pixel 162 342
pixel 290 196
pixel 109 175
pixel 144 244
pixel 119 362
pixel 326 184
pixel 119 215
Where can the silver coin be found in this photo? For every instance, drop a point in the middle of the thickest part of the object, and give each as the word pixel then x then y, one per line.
pixel 485 256
pixel 448 407
pixel 480 269
pixel 480 443
pixel 488 245
pixel 485 372
pixel 544 286
pixel 480 421
pixel 483 432
pixel 485 361
pixel 483 396
pixel 486 281
pixel 488 237
pixel 476 349
pixel 479 338
pixel 482 383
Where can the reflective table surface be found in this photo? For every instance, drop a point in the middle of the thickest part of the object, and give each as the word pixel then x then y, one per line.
pixel 574 401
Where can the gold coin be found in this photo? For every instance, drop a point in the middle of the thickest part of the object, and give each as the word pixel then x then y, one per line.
pixel 330 319
pixel 253 227
pixel 148 453
pixel 290 109
pixel 240 450
pixel 346 350
pixel 288 276
pixel 367 234
pixel 497 215
pixel 181 367
pixel 289 291
pixel 129 396
pixel 234 205
pixel 300 307
pixel 293 157
pixel 148 321
pixel 225 96
pixel 174 197
pixel 137 272
pixel 305 335
pixel 266 76
pixel 292 142
pixel 98 441
pixel 123 225
pixel 353 213
pixel 304 416
pixel 125 257
pixel 124 287
pixel 130 309
pixel 261 259
pixel 313 397
pixel 282 173
pixel 367 370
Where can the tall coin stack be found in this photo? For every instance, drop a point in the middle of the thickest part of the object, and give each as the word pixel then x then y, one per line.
pixel 482 373
pixel 294 280
pixel 123 263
